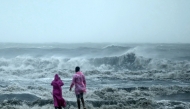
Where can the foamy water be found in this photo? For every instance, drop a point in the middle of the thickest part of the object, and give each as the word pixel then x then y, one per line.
pixel 123 76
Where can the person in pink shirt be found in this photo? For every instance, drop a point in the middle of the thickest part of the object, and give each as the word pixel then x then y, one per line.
pixel 79 82
pixel 59 101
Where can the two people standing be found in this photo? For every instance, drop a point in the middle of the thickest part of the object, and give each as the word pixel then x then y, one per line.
pixel 78 81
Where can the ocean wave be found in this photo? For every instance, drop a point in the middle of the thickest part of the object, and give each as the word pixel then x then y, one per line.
pixel 129 61
pixel 118 77
pixel 116 47
pixel 110 98
pixel 132 62
pixel 35 51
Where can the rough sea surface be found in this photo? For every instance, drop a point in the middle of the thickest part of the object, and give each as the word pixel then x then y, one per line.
pixel 119 76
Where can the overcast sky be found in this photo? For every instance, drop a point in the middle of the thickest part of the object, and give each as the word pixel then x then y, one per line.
pixel 71 21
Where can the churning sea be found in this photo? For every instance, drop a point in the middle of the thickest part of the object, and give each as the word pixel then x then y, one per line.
pixel 119 75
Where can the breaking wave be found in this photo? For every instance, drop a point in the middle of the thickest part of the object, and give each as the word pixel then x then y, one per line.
pixel 110 98
pixel 129 61
pixel 119 76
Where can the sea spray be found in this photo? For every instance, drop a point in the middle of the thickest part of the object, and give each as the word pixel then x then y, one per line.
pixel 122 76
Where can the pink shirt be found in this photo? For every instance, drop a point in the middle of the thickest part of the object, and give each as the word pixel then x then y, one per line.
pixel 80 82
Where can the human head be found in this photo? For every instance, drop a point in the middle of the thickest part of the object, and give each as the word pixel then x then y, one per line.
pixel 56 77
pixel 77 69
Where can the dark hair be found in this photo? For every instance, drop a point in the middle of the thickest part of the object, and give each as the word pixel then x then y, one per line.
pixel 77 69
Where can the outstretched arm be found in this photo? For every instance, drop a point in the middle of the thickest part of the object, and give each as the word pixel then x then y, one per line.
pixel 72 84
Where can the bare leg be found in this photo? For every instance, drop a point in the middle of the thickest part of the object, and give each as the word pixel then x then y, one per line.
pixel 83 104
pixel 78 102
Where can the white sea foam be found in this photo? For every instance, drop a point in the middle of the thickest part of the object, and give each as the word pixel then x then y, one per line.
pixel 131 77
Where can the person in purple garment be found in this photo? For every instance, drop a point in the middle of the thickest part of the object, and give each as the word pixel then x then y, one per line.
pixel 79 82
pixel 59 101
